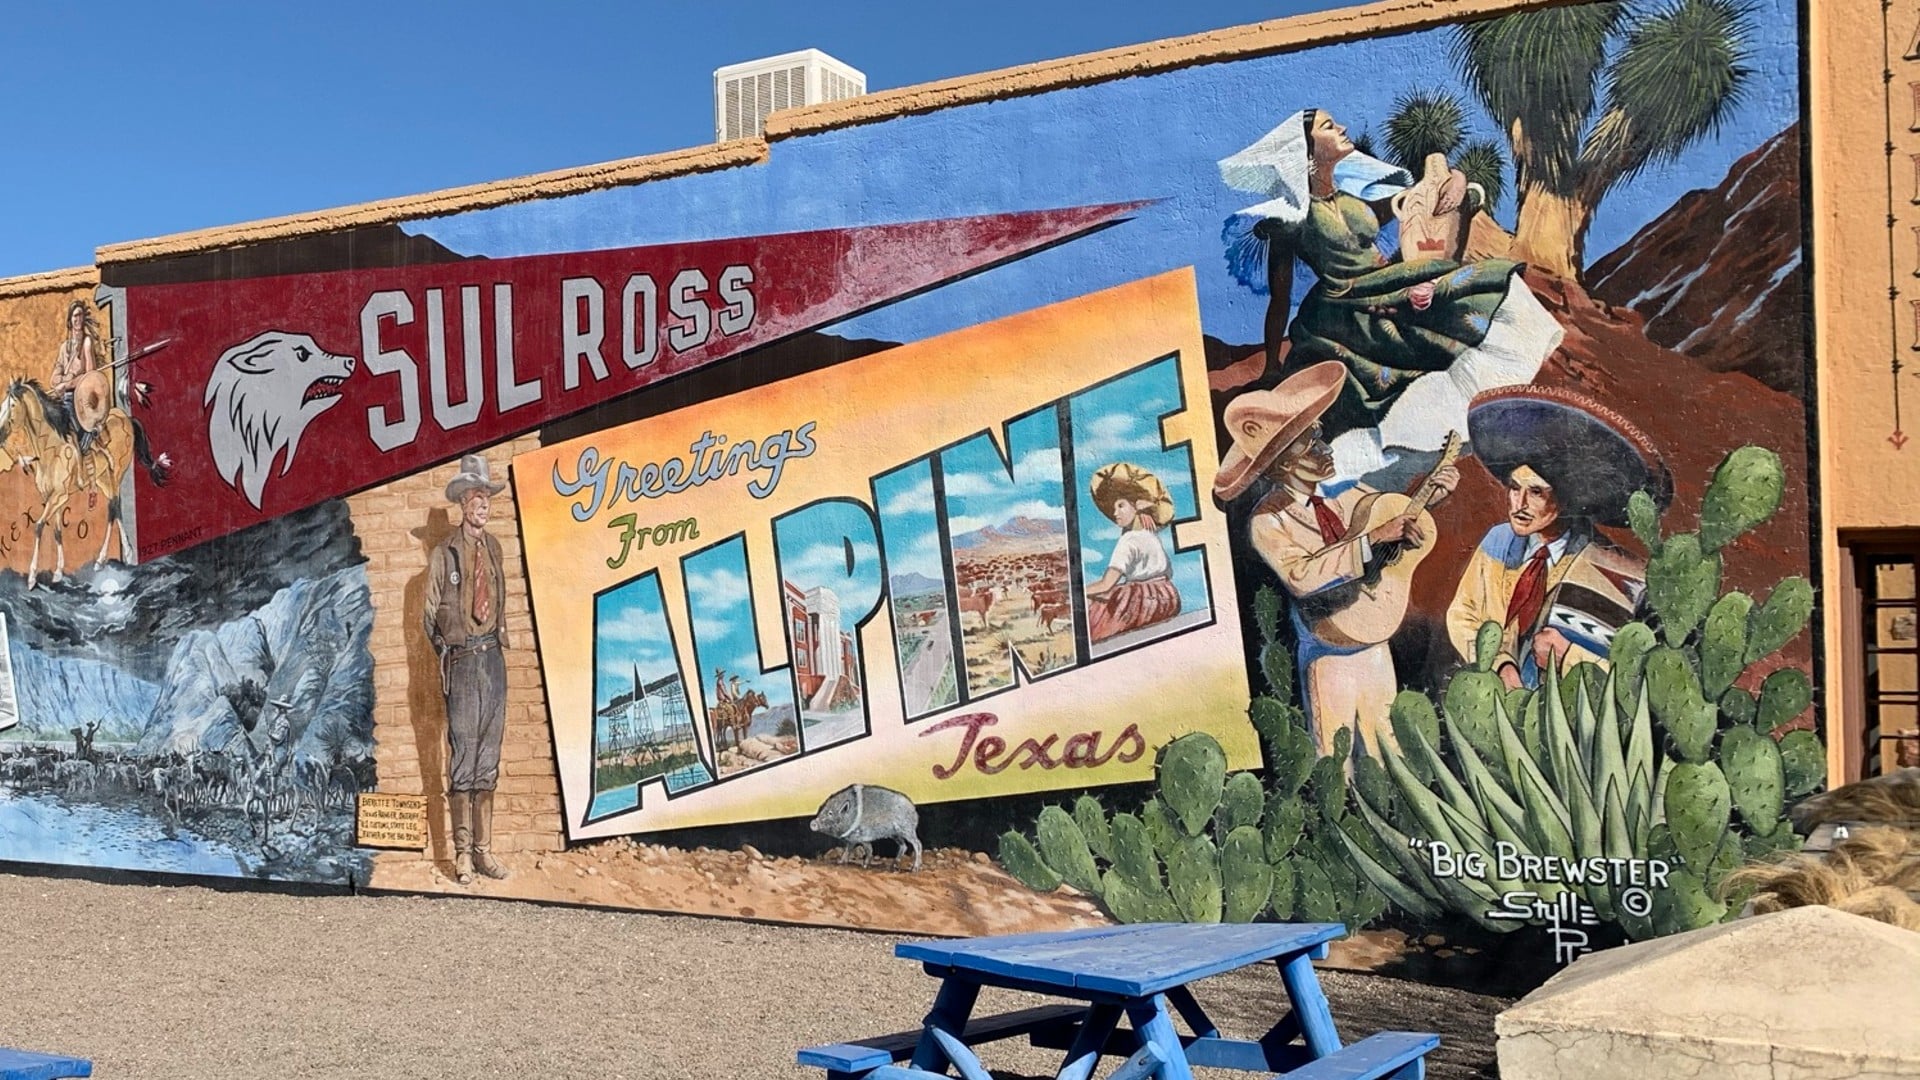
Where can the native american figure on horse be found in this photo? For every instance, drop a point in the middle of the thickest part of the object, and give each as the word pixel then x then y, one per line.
pixel 73 440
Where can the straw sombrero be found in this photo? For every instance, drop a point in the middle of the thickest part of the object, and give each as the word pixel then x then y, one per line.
pixel 1264 422
pixel 1594 458
pixel 1125 473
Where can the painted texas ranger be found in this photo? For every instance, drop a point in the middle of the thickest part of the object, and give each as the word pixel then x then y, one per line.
pixel 466 587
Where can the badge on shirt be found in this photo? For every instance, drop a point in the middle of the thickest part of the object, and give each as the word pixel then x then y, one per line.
pixel 453 577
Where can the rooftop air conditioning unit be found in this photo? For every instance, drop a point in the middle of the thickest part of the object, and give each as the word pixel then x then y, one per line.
pixel 743 94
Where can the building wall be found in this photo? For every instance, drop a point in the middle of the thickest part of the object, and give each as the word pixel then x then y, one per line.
pixel 952 322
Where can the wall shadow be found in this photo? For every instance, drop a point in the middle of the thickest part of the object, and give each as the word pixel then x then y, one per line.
pixel 426 705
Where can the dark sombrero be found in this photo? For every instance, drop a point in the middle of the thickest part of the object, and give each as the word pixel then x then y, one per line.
pixel 1594 458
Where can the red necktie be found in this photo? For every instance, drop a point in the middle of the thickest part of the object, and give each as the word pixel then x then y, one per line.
pixel 1331 527
pixel 1529 592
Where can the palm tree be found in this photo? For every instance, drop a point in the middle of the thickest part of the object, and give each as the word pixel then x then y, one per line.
pixel 1591 95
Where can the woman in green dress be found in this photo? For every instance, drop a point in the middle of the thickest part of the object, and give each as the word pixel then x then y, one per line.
pixel 1418 337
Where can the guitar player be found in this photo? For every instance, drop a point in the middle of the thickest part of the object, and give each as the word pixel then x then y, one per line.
pixel 1300 529
pixel 1556 586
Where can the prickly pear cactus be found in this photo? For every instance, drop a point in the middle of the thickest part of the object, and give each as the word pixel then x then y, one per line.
pixel 1628 657
pixel 1193 877
pixel 1286 817
pixel 1131 905
pixel 1160 826
pixel 1738 707
pixel 1682 584
pixel 1780 618
pixel 1329 786
pixel 1193 776
pixel 1024 863
pixel 1745 491
pixel 1685 904
pixel 1785 695
pixel 1276 663
pixel 1804 761
pixel 1314 898
pixel 1245 876
pixel 1133 856
pixel 1756 776
pixel 1241 802
pixel 1370 779
pixel 1673 690
pixel 1723 643
pixel 1281 903
pixel 1471 695
pixel 1698 809
pixel 1092 819
pixel 1644 517
pixel 1486 645
pixel 1290 751
pixel 1064 847
pixel 1266 612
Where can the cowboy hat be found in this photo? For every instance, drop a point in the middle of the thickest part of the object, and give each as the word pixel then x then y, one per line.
pixel 1594 458
pixel 473 474
pixel 1264 422
pixel 1120 476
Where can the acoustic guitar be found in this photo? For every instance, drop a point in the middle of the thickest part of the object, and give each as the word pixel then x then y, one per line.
pixel 1368 611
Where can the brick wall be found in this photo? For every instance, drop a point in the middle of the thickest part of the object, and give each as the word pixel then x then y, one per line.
pixel 398 524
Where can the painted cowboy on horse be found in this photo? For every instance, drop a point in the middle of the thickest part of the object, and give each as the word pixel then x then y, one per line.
pixel 74 438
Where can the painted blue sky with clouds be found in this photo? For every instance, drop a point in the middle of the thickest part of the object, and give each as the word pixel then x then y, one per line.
pixel 1155 137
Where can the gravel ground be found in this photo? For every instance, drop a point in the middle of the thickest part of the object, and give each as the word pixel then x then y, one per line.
pixel 174 981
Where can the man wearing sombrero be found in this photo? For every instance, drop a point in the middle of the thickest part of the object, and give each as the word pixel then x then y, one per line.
pixel 1554 584
pixel 466 586
pixel 1301 529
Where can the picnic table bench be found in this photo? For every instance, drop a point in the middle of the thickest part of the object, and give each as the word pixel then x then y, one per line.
pixel 26 1065
pixel 1138 973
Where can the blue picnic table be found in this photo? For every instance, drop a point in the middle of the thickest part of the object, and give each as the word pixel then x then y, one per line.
pixel 27 1065
pixel 1142 974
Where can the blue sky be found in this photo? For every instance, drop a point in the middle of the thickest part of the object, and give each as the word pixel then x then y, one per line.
pixel 630 630
pixel 129 120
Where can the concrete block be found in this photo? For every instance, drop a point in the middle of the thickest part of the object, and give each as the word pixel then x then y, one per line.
pixel 1808 993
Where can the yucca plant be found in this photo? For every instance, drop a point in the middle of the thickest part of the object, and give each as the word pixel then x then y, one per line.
pixel 1663 756
pixel 1591 94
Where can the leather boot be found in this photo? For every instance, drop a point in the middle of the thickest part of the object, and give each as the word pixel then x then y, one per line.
pixel 483 859
pixel 461 804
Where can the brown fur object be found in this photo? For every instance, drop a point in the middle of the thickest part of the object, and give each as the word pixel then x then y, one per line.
pixel 1893 799
pixel 1874 872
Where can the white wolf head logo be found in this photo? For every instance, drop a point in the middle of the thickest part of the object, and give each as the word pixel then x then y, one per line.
pixel 263 393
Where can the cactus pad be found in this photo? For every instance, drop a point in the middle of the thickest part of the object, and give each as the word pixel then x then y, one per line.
pixel 1193 775
pixel 1064 847
pixel 1780 618
pixel 1245 877
pixel 1241 802
pixel 1744 492
pixel 1785 695
pixel 1723 643
pixel 1755 776
pixel 1092 819
pixel 1628 657
pixel 1193 877
pixel 1286 817
pixel 1644 516
pixel 1698 807
pixel 1470 704
pixel 1019 858
pixel 1805 762
pixel 1682 584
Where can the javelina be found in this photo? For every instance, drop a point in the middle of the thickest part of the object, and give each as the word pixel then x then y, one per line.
pixel 863 813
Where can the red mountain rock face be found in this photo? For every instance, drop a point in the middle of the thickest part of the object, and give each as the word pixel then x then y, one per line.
pixel 1718 277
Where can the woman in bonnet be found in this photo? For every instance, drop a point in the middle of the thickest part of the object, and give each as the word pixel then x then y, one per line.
pixel 1469 326
pixel 1137 590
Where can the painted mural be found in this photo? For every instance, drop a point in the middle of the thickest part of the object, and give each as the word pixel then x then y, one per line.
pixel 1239 492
